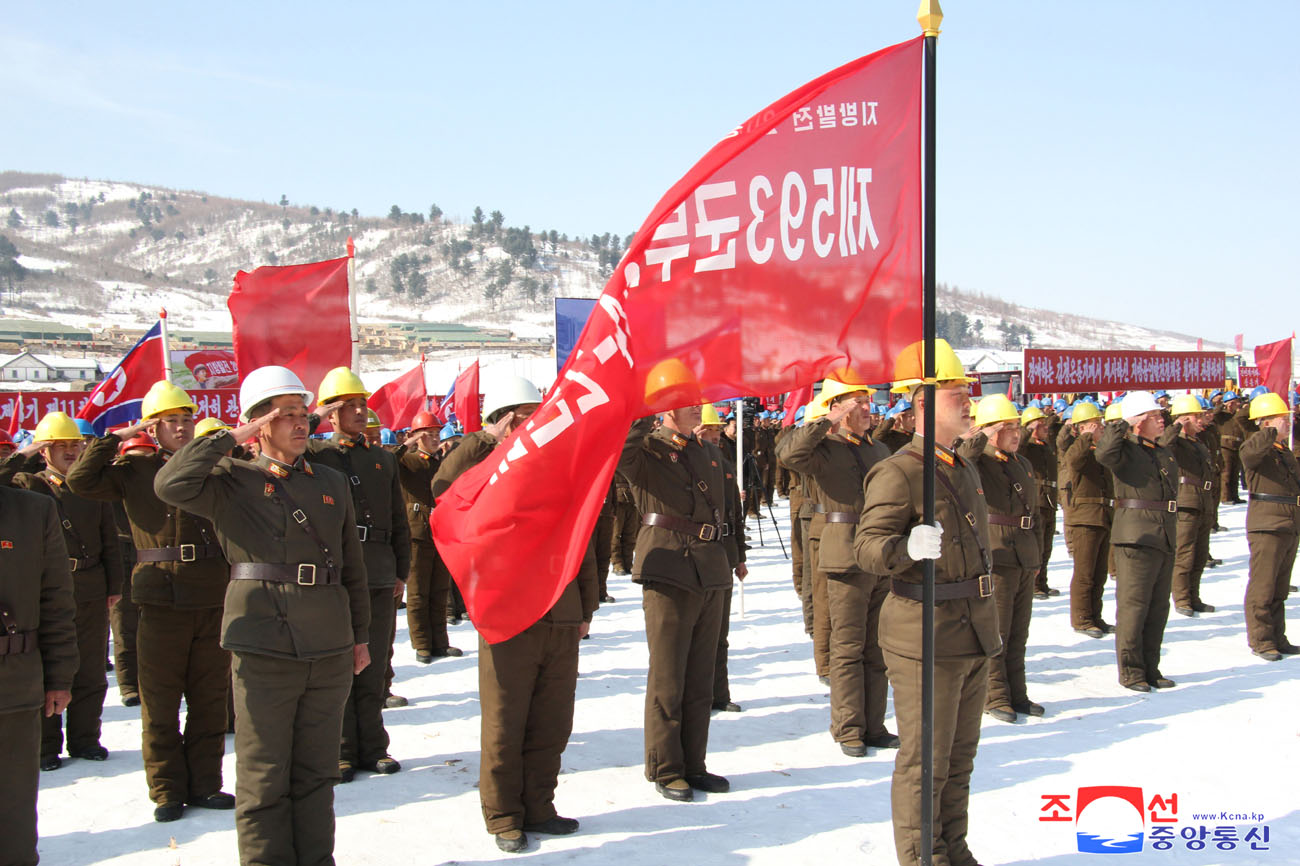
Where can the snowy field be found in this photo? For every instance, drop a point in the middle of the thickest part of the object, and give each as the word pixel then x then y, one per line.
pixel 1224 741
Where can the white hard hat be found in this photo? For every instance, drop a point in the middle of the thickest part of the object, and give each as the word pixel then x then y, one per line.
pixel 508 392
pixel 1138 403
pixel 266 382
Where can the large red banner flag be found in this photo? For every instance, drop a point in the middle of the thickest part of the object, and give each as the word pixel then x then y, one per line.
pixel 791 250
pixel 1274 363
pixel 295 316
pixel 397 402
pixel 465 400
pixel 794 401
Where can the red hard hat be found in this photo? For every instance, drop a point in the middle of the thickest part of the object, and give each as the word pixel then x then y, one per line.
pixel 424 421
pixel 5 438
pixel 139 440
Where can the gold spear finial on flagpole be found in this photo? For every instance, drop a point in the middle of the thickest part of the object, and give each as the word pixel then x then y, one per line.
pixel 930 17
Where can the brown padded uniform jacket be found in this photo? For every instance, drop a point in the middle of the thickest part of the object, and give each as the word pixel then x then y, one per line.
pixel 1009 491
pixel 1271 468
pixel 963 627
pixel 90 534
pixel 1144 470
pixel 415 471
pixel 1042 460
pixel 1195 470
pixel 1088 483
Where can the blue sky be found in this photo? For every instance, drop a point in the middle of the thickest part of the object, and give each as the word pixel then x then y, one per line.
pixel 1132 161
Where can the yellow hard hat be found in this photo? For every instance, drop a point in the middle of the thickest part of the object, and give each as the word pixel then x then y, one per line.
pixel 995 408
pixel 339 382
pixel 1185 404
pixel 709 415
pixel 1114 411
pixel 1268 405
pixel 814 411
pixel 163 397
pixel 208 426
pixel 670 384
pixel 909 366
pixel 56 427
pixel 832 388
pixel 1030 415
pixel 372 419
pixel 1085 411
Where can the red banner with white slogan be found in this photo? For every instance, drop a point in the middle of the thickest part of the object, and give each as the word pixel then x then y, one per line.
pixel 791 250
pixel 32 406
pixel 1073 370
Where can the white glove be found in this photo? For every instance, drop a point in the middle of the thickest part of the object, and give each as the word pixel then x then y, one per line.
pixel 925 542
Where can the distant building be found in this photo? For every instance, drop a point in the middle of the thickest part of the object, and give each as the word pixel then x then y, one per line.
pixel 47 369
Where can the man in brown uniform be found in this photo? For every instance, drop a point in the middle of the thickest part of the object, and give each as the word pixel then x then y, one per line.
pixel 1195 506
pixel 1143 537
pixel 178 584
pixel 1090 500
pixel 1040 451
pixel 90 536
pixel 1272 527
pixel 627 523
pixel 527 683
pixel 296 613
pixel 681 563
pixel 386 546
pixel 800 514
pixel 38 656
pixel 816 616
pixel 1007 481
pixel 428 581
pixel 896 430
pixel 838 452
pixel 892 540
pixel 1231 437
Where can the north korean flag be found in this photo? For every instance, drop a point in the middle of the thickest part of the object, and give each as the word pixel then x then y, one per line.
pixel 116 401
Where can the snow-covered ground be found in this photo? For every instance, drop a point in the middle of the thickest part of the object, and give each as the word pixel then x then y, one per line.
pixel 1223 740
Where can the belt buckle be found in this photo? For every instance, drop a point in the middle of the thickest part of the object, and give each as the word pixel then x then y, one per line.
pixel 363 532
pixel 708 532
pixel 726 530
pixel 1026 521
pixel 72 563
pixel 188 553
pixel 1206 486
pixel 1172 506
pixel 985 585
pixel 307 568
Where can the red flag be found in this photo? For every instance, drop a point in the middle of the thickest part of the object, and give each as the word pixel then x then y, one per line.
pixel 1274 363
pixel 791 250
pixel 795 399
pixel 15 417
pixel 295 316
pixel 397 402
pixel 465 403
pixel 1200 344
pixel 1238 341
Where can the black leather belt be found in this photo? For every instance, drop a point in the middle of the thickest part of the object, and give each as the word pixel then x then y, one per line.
pixel 16 643
pixel 975 587
pixel 1194 482
pixel 836 516
pixel 1277 497
pixel 183 553
pixel 702 531
pixel 1093 500
pixel 1170 505
pixel 303 574
pixel 82 563
pixel 1023 522
pixel 370 533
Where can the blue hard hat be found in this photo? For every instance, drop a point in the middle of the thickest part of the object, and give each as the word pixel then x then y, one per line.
pixel 387 437
pixel 84 426
pixel 1060 404
pixel 781 414
pixel 798 413
pixel 1257 390
pixel 448 432
pixel 1069 410
pixel 1160 394
pixel 1205 404
pixel 1230 395
pixel 1218 392
pixel 1035 403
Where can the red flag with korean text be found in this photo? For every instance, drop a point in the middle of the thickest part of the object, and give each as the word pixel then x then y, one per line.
pixel 790 251
pixel 295 316
pixel 397 402
pixel 1274 363
pixel 465 400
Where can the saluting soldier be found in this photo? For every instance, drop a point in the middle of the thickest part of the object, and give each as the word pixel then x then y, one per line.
pixel 90 535
pixel 527 683
pixel 124 618
pixel 817 621
pixel 1090 501
pixel 178 585
pixel 626 524
pixel 838 452
pixel 800 514
pixel 681 563
pixel 1231 437
pixel 428 580
pixel 38 656
pixel 1195 509
pixel 1272 527
pixel 385 536
pixel 297 611
pixel 892 540
pixel 1039 449
pixel 1143 537
pixel 1007 481
pixel 896 430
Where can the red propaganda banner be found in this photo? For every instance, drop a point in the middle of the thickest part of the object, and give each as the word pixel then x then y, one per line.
pixel 220 403
pixel 1274 362
pixel 1068 371
pixel 791 250
pixel 295 316
pixel 1248 377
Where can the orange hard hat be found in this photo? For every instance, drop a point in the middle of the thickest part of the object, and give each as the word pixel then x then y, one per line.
pixel 424 421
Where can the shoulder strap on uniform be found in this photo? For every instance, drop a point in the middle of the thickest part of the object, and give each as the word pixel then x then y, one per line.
pixel 358 492
pixel 300 517
pixel 967 513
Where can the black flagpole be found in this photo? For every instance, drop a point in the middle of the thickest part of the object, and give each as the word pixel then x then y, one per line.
pixel 930 16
